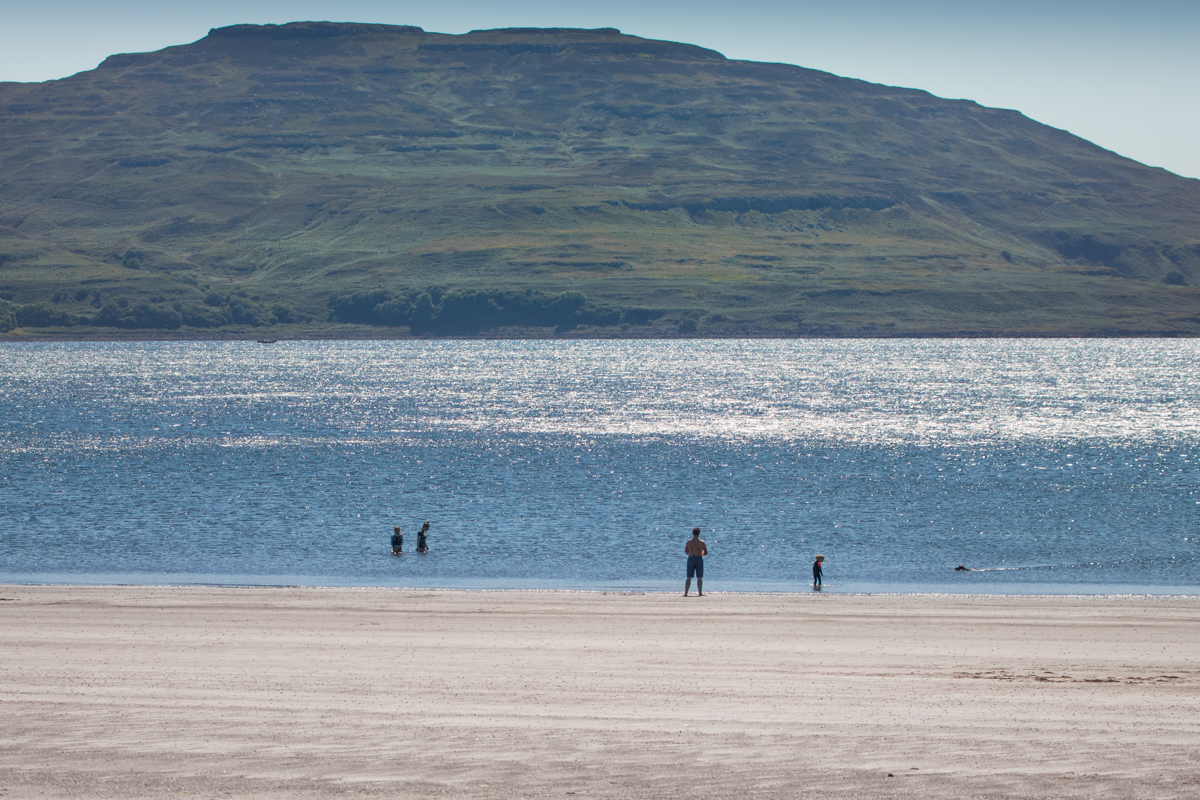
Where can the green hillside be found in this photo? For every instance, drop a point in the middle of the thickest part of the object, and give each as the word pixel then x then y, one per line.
pixel 344 179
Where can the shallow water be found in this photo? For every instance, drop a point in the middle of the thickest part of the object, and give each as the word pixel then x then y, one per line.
pixel 1048 465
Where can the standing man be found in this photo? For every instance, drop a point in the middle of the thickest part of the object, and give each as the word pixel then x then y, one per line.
pixel 422 543
pixel 696 550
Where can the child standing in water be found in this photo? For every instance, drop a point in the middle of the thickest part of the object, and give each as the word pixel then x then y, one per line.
pixel 818 573
pixel 397 542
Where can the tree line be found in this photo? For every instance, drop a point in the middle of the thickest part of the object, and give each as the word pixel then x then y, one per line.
pixel 436 310
pixel 433 310
pixel 216 311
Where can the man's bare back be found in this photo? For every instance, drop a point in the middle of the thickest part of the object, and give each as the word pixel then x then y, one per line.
pixel 696 550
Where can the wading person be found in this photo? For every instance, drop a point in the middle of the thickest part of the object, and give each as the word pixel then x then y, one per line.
pixel 696 550
pixel 422 545
pixel 397 542
pixel 818 573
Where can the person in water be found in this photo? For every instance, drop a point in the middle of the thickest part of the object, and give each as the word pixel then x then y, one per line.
pixel 397 542
pixel 696 550
pixel 818 573
pixel 422 545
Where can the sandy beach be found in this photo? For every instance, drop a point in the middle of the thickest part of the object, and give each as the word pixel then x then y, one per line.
pixel 139 692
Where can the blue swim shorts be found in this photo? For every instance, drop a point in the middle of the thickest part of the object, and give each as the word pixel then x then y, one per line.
pixel 695 567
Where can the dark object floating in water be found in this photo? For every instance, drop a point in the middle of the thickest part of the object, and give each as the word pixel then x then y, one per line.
pixel 267 341
pixel 961 568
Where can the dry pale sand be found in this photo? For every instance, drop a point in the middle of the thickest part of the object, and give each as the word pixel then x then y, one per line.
pixel 139 692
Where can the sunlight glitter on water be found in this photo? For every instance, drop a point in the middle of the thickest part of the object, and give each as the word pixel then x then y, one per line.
pixel 1030 458
pixel 864 392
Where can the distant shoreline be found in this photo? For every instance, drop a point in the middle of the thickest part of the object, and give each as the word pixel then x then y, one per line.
pixel 1171 592
pixel 584 336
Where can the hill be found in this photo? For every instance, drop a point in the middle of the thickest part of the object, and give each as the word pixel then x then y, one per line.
pixel 346 179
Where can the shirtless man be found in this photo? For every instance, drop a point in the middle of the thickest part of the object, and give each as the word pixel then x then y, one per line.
pixel 696 550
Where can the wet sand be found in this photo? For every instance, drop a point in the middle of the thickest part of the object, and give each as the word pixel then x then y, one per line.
pixel 140 692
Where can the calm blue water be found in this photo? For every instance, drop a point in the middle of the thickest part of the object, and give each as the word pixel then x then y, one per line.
pixel 1051 466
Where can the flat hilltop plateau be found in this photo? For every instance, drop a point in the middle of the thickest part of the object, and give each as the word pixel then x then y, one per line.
pixel 322 179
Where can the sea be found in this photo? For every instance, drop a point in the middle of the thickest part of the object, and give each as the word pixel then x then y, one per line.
pixel 1041 466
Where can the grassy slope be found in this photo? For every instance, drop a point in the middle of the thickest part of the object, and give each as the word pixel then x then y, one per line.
pixel 285 165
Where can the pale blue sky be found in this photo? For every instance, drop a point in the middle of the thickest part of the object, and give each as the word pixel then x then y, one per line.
pixel 1124 75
